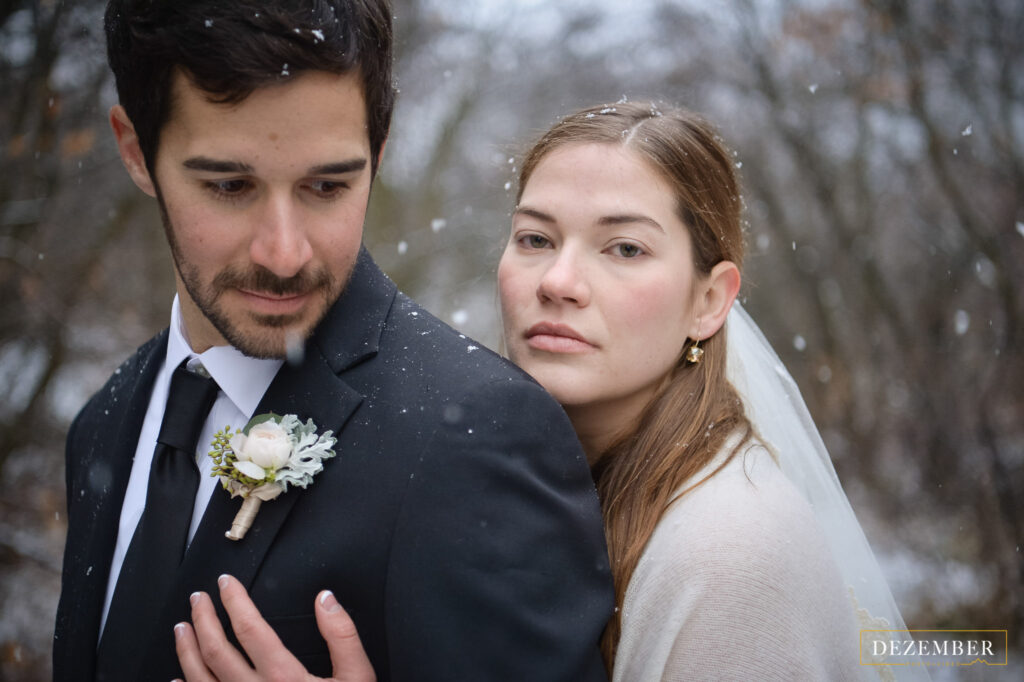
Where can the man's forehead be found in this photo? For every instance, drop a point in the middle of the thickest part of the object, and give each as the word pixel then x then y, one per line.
pixel 184 87
pixel 313 118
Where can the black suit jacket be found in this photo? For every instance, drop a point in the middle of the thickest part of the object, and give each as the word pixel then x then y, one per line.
pixel 457 524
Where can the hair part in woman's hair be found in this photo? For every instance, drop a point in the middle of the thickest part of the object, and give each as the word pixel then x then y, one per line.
pixel 695 409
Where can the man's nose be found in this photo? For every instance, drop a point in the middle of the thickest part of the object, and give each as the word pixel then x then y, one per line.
pixel 280 243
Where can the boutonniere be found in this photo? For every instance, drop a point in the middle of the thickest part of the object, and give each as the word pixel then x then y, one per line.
pixel 262 459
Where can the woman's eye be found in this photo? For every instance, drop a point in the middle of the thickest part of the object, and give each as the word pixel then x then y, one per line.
pixel 628 250
pixel 534 241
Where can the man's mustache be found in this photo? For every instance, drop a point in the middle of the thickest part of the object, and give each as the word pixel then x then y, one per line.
pixel 259 279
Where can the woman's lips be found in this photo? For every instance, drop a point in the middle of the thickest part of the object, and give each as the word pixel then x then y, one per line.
pixel 557 338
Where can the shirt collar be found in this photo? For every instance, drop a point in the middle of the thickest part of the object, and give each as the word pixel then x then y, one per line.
pixel 243 379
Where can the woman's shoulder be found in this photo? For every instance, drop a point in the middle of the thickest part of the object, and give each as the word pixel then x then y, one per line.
pixel 747 509
pixel 739 561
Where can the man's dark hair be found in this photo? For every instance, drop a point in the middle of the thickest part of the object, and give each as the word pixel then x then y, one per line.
pixel 229 49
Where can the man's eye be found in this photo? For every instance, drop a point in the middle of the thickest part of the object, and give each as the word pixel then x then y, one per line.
pixel 327 187
pixel 228 188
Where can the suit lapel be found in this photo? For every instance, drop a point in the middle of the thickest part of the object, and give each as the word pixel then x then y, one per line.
pixel 109 461
pixel 310 391
pixel 349 334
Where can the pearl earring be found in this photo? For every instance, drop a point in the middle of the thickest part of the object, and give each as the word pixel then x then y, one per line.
pixel 694 353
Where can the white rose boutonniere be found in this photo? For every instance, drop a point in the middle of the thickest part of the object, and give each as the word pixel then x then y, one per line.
pixel 261 460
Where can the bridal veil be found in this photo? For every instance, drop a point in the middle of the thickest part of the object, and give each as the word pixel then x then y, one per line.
pixel 776 409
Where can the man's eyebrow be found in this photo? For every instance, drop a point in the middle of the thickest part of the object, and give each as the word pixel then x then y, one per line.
pixel 339 168
pixel 629 218
pixel 203 163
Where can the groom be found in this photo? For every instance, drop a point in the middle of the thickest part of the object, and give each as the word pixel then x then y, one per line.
pixel 457 523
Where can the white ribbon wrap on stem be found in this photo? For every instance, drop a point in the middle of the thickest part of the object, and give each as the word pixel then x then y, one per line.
pixel 244 518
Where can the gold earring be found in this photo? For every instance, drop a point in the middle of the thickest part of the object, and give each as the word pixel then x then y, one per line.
pixel 694 353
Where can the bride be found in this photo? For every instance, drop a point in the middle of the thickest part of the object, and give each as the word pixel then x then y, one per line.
pixel 734 551
pixel 726 524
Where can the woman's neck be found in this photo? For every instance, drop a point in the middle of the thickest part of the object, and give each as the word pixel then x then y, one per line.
pixel 592 435
pixel 598 425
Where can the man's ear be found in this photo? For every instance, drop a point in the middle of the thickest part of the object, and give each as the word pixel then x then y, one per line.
pixel 128 147
pixel 715 294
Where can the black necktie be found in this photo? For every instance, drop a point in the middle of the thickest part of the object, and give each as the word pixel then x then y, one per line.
pixel 156 550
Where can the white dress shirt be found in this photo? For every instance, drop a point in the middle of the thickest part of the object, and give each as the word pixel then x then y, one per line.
pixel 242 381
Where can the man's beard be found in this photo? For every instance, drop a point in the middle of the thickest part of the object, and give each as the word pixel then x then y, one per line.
pixel 270 336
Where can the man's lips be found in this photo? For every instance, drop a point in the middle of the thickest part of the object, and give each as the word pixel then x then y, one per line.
pixel 557 338
pixel 274 304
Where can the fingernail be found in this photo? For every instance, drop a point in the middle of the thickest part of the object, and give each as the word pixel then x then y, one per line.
pixel 179 630
pixel 328 602
pixel 222 581
pixel 193 598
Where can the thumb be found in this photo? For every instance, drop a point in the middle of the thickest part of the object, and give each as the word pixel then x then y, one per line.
pixel 347 654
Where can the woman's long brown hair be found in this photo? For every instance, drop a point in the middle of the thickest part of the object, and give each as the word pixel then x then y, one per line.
pixel 696 409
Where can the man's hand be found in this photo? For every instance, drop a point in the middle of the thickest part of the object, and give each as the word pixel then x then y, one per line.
pixel 206 655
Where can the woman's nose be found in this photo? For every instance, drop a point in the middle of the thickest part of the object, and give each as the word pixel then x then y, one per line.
pixel 564 280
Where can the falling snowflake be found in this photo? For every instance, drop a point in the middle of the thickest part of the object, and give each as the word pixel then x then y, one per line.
pixel 961 322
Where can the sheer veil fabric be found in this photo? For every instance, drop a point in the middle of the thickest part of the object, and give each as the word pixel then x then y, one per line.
pixel 776 409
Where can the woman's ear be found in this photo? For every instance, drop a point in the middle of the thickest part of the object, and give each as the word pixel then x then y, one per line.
pixel 128 147
pixel 715 294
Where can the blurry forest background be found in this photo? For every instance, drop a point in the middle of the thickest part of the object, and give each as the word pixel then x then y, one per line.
pixel 881 145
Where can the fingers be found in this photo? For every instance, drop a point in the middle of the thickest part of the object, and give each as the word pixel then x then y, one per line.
pixel 261 643
pixel 220 659
pixel 206 655
pixel 348 657
pixel 189 656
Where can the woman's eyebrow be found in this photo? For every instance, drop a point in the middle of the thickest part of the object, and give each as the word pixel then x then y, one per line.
pixel 534 213
pixel 629 218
